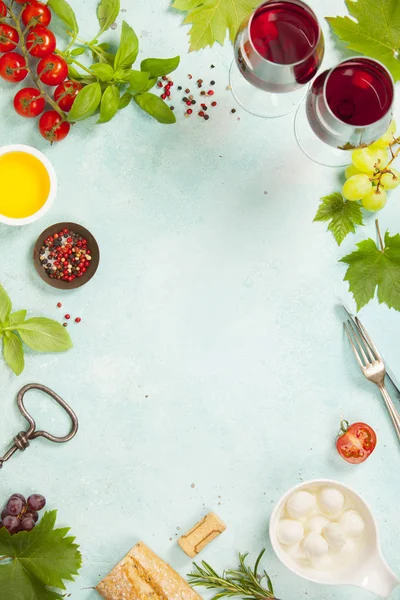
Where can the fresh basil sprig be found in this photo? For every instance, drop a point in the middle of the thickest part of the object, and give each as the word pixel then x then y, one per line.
pixel 39 333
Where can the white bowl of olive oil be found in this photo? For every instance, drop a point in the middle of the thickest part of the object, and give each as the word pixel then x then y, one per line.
pixel 28 184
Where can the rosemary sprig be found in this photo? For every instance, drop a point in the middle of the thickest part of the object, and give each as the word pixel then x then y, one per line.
pixel 243 581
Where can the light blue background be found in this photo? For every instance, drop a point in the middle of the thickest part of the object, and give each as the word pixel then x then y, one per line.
pixel 210 350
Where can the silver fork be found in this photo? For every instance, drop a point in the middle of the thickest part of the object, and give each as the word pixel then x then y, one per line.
pixel 372 366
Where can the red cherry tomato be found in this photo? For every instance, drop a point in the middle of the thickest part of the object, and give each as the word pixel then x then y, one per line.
pixel 12 67
pixel 3 9
pixel 52 128
pixel 52 70
pixel 355 442
pixel 40 41
pixel 22 1
pixel 28 103
pixel 36 13
pixel 66 93
pixel 9 38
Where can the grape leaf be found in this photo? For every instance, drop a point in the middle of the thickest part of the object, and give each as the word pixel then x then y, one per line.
pixel 343 215
pixel 371 268
pixel 40 559
pixel 211 18
pixel 373 31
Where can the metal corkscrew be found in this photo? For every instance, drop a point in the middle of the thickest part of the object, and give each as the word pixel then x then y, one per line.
pixel 21 440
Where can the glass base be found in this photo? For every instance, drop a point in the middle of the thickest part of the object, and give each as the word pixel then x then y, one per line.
pixel 261 103
pixel 313 147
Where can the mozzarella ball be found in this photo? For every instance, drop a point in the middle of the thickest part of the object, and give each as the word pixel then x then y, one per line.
pixel 316 523
pixel 322 563
pixel 300 504
pixel 315 545
pixel 349 550
pixel 352 523
pixel 331 501
pixel 297 553
pixel 334 535
pixel 289 532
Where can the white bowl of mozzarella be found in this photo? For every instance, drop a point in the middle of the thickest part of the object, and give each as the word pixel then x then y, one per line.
pixel 323 531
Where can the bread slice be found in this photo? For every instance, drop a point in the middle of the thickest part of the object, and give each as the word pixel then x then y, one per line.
pixel 142 575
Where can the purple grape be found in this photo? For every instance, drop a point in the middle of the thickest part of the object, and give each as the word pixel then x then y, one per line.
pixel 32 515
pixel 27 524
pixel 20 496
pixel 36 502
pixel 14 506
pixel 4 513
pixel 11 524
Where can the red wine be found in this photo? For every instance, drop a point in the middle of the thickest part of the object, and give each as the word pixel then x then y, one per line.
pixel 284 32
pixel 359 92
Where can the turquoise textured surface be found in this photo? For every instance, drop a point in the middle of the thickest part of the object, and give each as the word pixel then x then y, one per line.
pixel 210 370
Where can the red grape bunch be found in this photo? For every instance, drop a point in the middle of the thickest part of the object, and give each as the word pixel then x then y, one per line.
pixel 21 514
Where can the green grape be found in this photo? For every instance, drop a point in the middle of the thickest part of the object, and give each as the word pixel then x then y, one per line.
pixel 365 159
pixel 389 181
pixel 356 187
pixel 387 138
pixel 375 200
pixel 350 171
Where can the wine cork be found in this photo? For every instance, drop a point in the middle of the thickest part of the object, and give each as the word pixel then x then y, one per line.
pixel 201 534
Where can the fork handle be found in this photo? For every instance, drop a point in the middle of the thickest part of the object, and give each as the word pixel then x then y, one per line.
pixel 391 408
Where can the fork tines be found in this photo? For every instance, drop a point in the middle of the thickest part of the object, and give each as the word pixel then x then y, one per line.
pixel 359 338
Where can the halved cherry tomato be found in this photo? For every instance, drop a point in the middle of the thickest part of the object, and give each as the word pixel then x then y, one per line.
pixel 28 102
pixel 355 442
pixel 12 67
pixel 52 70
pixel 40 41
pixel 52 127
pixel 36 13
pixel 9 38
pixel 66 93
pixel 3 9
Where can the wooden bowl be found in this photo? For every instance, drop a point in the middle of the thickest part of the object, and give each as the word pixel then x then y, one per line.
pixel 92 246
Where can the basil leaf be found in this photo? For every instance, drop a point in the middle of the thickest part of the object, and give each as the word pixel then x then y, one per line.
pixel 157 67
pixel 122 75
pixel 13 353
pixel 17 317
pixel 152 82
pixel 107 12
pixel 44 335
pixel 128 48
pixel 77 51
pixel 109 104
pixel 65 13
pixel 73 73
pixel 86 102
pixel 155 106
pixel 124 101
pixel 139 80
pixel 103 71
pixel 5 305
pixel 105 55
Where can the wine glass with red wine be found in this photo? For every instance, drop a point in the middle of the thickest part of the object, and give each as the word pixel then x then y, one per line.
pixel 278 50
pixel 347 107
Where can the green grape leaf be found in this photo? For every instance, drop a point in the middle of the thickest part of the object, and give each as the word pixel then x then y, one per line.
pixel 157 67
pixel 343 216
pixel 41 560
pixel 5 305
pixel 125 100
pixel 86 102
pixel 44 335
pixel 371 269
pixel 107 12
pixel 128 48
pixel 103 71
pixel 156 107
pixel 139 82
pixel 64 11
pixel 17 317
pixel 109 104
pixel 13 353
pixel 211 18
pixel 373 30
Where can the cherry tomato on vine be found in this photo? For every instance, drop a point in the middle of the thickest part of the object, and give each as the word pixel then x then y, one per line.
pixel 66 93
pixel 28 102
pixel 12 67
pixel 9 38
pixel 36 13
pixel 52 70
pixel 3 9
pixel 40 41
pixel 22 1
pixel 52 127
pixel 355 442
